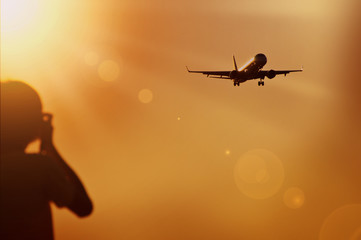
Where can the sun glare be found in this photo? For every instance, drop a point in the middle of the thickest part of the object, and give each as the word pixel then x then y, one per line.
pixel 17 14
pixel 27 28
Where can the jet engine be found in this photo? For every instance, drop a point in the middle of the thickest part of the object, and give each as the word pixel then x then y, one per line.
pixel 271 74
pixel 233 74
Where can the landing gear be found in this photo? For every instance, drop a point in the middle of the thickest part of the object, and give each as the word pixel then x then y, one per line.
pixel 235 83
pixel 261 81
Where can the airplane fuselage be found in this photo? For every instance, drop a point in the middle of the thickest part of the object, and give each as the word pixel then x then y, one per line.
pixel 250 69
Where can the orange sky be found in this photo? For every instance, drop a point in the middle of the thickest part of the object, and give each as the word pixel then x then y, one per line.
pixel 170 155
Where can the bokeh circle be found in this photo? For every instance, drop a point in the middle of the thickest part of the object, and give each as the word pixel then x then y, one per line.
pixel 294 198
pixel 343 223
pixel 109 70
pixel 145 96
pixel 259 174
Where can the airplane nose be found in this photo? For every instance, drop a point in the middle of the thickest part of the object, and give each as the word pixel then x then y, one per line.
pixel 261 58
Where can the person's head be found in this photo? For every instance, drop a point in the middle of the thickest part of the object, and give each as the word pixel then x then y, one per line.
pixel 21 115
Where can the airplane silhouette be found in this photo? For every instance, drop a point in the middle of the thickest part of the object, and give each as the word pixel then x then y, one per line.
pixel 251 70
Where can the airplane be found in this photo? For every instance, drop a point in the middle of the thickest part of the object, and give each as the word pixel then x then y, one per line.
pixel 251 70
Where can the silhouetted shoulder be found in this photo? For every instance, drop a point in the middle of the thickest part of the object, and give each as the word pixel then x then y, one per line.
pixel 39 173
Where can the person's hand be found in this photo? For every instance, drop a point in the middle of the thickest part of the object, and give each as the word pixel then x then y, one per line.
pixel 46 134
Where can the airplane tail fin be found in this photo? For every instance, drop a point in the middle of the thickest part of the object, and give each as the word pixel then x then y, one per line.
pixel 235 64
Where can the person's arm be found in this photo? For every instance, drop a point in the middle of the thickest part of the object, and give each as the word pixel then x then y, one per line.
pixel 81 204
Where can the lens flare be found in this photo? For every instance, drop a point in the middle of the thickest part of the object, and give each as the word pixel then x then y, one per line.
pixel 145 96
pixel 357 234
pixel 294 198
pixel 259 174
pixel 108 70
pixel 343 223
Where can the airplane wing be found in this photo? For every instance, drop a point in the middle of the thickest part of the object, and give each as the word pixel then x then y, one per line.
pixel 263 73
pixel 213 74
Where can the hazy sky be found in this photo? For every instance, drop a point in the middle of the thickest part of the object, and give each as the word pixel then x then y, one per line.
pixel 170 155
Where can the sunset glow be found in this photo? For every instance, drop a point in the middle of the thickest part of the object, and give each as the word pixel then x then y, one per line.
pixel 166 154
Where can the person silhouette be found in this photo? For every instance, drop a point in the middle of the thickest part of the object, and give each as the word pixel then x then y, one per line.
pixel 29 182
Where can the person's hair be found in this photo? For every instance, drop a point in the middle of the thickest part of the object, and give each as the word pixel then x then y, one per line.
pixel 21 113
